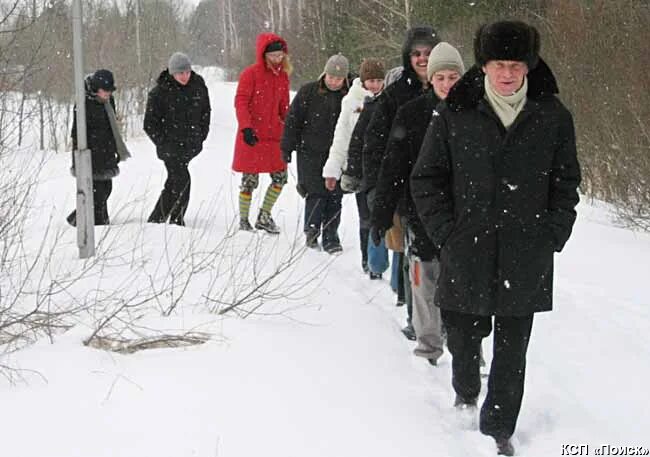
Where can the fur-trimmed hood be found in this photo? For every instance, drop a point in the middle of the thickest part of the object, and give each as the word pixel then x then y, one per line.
pixel 470 89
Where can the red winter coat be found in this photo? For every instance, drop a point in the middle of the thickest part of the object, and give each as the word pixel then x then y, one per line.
pixel 261 103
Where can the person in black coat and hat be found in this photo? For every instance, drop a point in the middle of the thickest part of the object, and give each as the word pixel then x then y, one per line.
pixel 104 142
pixel 177 120
pixel 495 185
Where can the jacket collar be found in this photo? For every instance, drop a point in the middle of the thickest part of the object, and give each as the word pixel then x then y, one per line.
pixel 470 89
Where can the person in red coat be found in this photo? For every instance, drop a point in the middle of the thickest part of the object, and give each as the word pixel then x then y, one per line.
pixel 261 104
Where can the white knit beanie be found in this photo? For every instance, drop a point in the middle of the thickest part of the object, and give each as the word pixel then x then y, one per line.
pixel 444 57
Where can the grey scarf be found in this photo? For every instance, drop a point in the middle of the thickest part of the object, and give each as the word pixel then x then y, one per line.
pixel 122 150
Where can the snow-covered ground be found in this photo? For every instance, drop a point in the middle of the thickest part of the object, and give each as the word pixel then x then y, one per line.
pixel 324 372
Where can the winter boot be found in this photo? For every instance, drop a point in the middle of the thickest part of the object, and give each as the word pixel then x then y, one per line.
pixel 464 403
pixel 245 225
pixel 374 276
pixel 409 332
pixel 333 248
pixel 504 446
pixel 364 266
pixel 311 240
pixel 266 222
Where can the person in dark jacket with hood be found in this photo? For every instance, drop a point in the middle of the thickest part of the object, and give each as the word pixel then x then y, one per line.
pixel 444 68
pixel 411 83
pixel 177 120
pixel 309 130
pixel 104 142
pixel 495 185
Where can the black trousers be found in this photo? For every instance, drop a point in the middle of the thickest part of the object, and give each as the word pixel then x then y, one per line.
pixel 364 224
pixel 101 191
pixel 505 390
pixel 323 215
pixel 175 196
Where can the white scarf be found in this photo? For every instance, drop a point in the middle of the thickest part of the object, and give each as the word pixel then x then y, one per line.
pixel 507 107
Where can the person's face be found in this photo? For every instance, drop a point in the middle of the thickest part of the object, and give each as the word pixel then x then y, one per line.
pixel 274 58
pixel 183 77
pixel 419 59
pixel 334 82
pixel 104 94
pixel 505 76
pixel 374 85
pixel 442 81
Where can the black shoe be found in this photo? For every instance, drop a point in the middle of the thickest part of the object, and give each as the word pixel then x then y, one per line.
pixel 399 302
pixel 265 222
pixel 374 275
pixel 156 219
pixel 364 266
pixel 312 243
pixel 72 219
pixel 409 332
pixel 433 362
pixel 333 248
pixel 180 222
pixel 245 225
pixel 504 446
pixel 464 403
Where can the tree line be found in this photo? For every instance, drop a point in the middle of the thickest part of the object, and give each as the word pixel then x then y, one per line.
pixel 597 49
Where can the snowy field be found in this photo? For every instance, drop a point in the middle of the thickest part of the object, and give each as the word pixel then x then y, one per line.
pixel 320 369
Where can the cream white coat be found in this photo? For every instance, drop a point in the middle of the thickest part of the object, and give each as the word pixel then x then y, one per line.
pixel 351 107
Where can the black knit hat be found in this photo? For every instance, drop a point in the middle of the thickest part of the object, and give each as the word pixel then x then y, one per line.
pixel 102 79
pixel 507 40
pixel 274 46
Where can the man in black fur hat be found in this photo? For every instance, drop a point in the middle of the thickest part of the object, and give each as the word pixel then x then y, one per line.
pixel 495 185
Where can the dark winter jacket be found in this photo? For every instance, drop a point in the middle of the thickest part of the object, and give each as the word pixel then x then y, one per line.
pixel 356 163
pixel 99 136
pixel 406 88
pixel 177 118
pixel 393 191
pixel 309 130
pixel 498 201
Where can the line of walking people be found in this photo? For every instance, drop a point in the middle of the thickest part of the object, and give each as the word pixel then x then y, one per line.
pixel 473 174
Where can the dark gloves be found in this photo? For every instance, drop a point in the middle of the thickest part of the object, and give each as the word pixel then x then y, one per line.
pixel 249 136
pixel 377 234
pixel 286 157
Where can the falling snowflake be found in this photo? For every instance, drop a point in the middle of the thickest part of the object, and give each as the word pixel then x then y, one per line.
pixel 506 283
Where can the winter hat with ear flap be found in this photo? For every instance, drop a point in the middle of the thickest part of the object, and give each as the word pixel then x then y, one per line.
pixel 102 79
pixel 507 40
pixel 444 57
pixel 371 69
pixel 178 63
pixel 337 65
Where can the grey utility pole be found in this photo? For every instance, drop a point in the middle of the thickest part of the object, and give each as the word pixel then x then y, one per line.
pixel 83 164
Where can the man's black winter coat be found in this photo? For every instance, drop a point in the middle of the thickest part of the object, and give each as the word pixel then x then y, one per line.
pixel 309 130
pixel 177 118
pixel 499 202
pixel 393 190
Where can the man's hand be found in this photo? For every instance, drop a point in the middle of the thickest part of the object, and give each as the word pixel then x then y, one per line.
pixel 249 136
pixel 330 183
pixel 377 234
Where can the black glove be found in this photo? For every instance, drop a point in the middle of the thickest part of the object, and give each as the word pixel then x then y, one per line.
pixel 249 137
pixel 286 157
pixel 377 234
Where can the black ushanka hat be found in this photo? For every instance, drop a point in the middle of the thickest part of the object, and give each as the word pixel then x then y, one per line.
pixel 507 40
